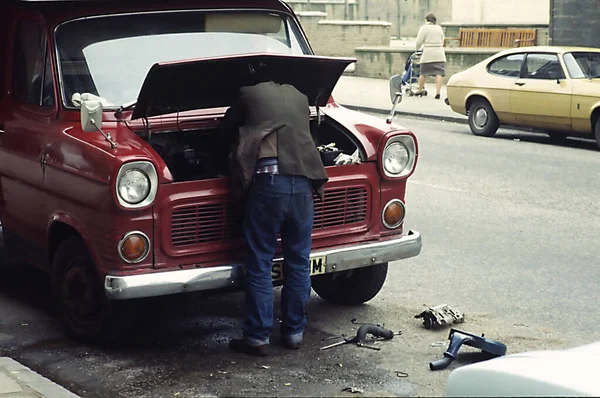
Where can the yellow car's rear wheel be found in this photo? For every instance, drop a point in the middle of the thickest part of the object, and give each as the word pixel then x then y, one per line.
pixel 597 132
pixel 483 121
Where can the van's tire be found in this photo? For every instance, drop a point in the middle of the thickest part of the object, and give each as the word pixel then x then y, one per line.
pixel 483 120
pixel 84 310
pixel 351 287
pixel 6 260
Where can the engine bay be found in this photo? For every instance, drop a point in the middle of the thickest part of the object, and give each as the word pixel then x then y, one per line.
pixel 201 154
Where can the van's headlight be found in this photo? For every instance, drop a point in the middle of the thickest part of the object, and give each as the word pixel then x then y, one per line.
pixel 399 156
pixel 395 158
pixel 137 183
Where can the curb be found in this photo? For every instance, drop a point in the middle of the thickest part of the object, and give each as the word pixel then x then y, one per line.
pixel 34 381
pixel 453 119
pixel 429 116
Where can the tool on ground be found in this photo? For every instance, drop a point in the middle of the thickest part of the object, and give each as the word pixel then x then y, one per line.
pixel 458 338
pixel 361 335
pixel 356 322
pixel 441 315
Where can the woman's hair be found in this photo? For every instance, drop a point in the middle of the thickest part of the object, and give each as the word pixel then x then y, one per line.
pixel 430 17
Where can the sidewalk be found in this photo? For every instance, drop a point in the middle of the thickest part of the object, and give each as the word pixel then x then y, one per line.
pixel 18 381
pixel 373 95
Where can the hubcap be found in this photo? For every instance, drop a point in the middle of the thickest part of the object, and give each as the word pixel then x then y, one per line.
pixel 481 118
pixel 80 292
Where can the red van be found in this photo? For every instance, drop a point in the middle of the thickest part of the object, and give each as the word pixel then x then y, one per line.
pixel 112 174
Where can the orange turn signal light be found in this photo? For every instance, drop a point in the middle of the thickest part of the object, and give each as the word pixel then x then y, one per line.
pixel 393 214
pixel 134 248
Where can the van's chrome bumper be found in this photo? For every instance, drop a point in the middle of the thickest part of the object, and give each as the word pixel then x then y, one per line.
pixel 227 276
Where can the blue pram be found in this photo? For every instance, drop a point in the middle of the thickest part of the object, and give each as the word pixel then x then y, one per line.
pixel 412 73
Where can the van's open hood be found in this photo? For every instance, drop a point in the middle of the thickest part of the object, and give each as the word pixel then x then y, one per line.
pixel 215 82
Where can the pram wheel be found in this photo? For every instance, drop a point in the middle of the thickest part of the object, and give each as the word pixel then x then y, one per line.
pixel 409 92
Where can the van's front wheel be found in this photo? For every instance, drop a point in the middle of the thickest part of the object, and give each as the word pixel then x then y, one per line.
pixel 6 260
pixel 86 313
pixel 351 287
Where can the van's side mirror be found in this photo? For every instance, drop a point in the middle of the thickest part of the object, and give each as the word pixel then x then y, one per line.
pixel 395 88
pixel 91 116
pixel 395 95
pixel 91 119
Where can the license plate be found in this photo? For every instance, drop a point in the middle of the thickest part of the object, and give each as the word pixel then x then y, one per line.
pixel 317 267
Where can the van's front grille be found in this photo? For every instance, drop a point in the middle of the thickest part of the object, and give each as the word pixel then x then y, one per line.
pixel 203 223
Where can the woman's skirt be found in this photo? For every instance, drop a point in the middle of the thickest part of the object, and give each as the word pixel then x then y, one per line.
pixel 432 69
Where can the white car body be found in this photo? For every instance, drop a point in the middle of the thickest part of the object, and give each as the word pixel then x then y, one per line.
pixel 571 372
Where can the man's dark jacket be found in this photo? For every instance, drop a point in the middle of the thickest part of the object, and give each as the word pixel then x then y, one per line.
pixel 280 109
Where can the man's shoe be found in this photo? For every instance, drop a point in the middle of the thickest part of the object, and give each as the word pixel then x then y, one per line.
pixel 289 345
pixel 241 345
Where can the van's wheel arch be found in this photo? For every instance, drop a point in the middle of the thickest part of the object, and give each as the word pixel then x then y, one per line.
pixel 483 120
pixel 353 287
pixel 84 310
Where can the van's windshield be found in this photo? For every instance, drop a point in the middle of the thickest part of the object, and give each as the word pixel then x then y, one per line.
pixel 110 56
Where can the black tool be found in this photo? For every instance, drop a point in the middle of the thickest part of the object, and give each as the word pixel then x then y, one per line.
pixel 458 338
pixel 361 335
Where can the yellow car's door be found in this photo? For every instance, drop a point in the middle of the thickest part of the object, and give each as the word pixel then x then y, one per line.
pixel 542 96
pixel 498 82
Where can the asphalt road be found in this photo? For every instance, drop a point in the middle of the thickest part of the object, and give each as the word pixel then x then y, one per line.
pixel 510 228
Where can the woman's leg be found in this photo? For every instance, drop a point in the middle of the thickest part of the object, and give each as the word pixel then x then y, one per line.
pixel 439 81
pixel 421 83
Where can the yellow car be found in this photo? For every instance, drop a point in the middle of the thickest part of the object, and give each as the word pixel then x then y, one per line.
pixel 556 89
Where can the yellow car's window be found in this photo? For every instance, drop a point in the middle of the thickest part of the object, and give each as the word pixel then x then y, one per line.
pixel 509 66
pixel 583 65
pixel 543 66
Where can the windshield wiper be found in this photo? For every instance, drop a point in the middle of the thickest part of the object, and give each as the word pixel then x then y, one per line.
pixel 126 106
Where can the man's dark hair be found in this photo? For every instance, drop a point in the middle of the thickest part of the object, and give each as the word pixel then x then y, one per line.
pixel 430 17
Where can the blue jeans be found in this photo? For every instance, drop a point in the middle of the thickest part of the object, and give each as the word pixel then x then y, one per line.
pixel 284 204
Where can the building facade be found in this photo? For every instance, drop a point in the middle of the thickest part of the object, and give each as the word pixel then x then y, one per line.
pixel 406 16
pixel 509 12
pixel 575 23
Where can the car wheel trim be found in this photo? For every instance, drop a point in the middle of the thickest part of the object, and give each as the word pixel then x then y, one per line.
pixel 481 118
pixel 79 294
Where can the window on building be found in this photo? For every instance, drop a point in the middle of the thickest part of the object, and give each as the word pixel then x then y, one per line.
pixel 29 62
pixel 509 66
pixel 543 66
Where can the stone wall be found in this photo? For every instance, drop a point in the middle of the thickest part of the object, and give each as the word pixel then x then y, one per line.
pixel 335 9
pixel 406 16
pixel 500 12
pixel 383 63
pixel 341 38
pixel 310 23
pixel 452 29
pixel 575 23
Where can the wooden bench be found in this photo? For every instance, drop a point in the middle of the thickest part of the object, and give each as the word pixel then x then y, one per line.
pixel 494 38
